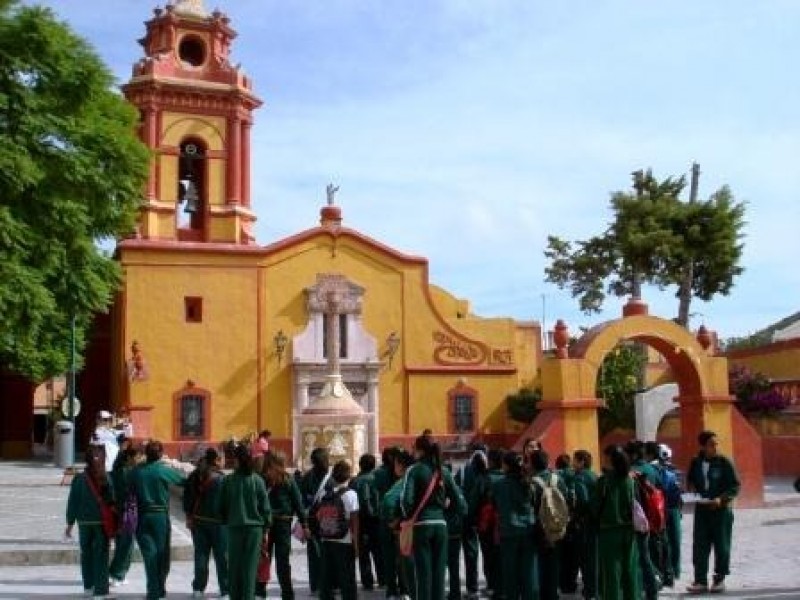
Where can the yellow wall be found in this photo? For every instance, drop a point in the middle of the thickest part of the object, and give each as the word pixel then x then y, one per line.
pixel 221 354
pixel 776 361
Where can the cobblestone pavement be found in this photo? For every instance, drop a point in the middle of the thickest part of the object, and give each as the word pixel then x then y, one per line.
pixel 36 563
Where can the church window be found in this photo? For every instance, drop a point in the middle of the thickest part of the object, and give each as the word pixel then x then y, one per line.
pixel 193 307
pixel 192 185
pixel 462 409
pixel 191 414
pixel 342 336
pixel 192 51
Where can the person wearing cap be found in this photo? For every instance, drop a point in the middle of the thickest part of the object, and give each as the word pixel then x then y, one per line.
pixel 151 482
pixel 105 435
pixel 714 477
pixel 201 503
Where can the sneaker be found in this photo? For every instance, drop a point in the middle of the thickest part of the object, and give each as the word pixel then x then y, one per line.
pixel 697 588
pixel 105 597
pixel 198 594
pixel 718 586
pixel 114 582
pixel 88 592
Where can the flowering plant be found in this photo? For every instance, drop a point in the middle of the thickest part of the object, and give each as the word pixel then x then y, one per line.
pixel 754 392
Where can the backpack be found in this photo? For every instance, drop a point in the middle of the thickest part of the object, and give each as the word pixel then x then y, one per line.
pixel 553 515
pixel 671 487
pixel 652 500
pixel 331 517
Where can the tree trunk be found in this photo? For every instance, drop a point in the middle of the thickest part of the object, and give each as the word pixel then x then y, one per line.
pixel 687 281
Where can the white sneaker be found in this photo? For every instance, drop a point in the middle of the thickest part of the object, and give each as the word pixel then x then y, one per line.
pixel 117 582
pixel 88 592
pixel 198 594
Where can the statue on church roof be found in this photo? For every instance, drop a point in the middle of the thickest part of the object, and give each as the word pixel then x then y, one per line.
pixel 331 193
pixel 191 7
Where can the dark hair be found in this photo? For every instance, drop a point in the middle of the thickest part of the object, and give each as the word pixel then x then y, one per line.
pixel 620 463
pixel 430 451
pixel 125 455
pixel 651 450
pixel 513 464
pixel 539 460
pixel 319 459
pixel 265 434
pixel 495 458
pixel 244 460
pixel 366 463
pixel 583 456
pixel 403 457
pixel 96 464
pixel 479 462
pixel 478 447
pixel 427 432
pixel 154 451
pixel 635 450
pixel 388 456
pixel 341 471
pixel 275 461
pixel 705 436
pixel 563 461
pixel 535 442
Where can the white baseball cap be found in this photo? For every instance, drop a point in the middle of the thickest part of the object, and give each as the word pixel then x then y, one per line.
pixel 664 452
pixel 104 414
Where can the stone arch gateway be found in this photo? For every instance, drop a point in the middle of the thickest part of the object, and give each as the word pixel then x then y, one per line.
pixel 569 406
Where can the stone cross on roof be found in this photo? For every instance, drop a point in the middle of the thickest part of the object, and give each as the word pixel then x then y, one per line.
pixel 191 7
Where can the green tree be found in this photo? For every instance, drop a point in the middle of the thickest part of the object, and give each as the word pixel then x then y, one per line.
pixel 654 237
pixel 522 406
pixel 617 384
pixel 72 172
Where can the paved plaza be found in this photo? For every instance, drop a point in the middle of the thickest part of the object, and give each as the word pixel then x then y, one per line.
pixel 35 561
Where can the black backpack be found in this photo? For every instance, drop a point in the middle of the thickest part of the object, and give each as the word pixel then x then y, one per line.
pixel 330 515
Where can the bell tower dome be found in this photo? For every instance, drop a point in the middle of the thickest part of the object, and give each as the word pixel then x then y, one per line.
pixel 196 115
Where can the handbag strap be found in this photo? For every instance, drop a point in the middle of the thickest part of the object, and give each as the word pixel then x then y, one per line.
pixel 321 488
pixel 93 489
pixel 428 492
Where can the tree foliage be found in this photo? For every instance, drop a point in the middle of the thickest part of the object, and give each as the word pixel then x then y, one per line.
pixel 654 237
pixel 617 385
pixel 522 406
pixel 71 173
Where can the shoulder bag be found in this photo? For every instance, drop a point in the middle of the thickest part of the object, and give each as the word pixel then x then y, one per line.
pixel 406 538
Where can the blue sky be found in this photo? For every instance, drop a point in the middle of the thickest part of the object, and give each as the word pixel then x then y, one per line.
pixel 467 131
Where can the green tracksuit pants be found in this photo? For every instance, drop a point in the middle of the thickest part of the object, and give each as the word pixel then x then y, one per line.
pixel 244 546
pixel 391 575
pixel 280 548
pixel 123 553
pixel 153 537
pixel 338 570
pixel 430 560
pixel 618 561
pixel 518 554
pixel 713 529
pixel 469 540
pixel 647 569
pixel 674 519
pixel 548 564
pixel 454 567
pixel 210 539
pixel 313 554
pixel 587 544
pixel 94 558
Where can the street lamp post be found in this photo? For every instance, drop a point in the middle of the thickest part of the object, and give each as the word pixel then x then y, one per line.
pixel 72 384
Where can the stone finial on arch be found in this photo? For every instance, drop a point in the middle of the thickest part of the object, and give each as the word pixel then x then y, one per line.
pixel 348 295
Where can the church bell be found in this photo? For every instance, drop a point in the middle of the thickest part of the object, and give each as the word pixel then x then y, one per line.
pixel 191 197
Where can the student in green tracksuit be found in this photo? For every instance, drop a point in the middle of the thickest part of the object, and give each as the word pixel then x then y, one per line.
pixel 398 570
pixel 83 507
pixel 714 477
pixel 369 524
pixel 245 509
pixel 586 529
pixel 568 549
pixel 513 497
pixel 430 530
pixel 487 527
pixel 150 482
pixel 123 542
pixel 673 495
pixel 286 503
pixel 612 505
pixel 547 553
pixel 201 503
pixel 635 451
pixel 473 481
pixel 312 487
pixel 454 515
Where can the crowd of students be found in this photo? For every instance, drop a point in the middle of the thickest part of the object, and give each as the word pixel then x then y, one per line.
pixel 541 529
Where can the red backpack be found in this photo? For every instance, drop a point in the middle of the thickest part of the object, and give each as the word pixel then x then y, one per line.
pixel 653 503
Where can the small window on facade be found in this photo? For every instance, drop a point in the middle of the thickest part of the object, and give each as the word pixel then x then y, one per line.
pixel 342 336
pixel 192 417
pixel 193 307
pixel 462 409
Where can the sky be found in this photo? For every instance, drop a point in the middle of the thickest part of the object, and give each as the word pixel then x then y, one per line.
pixel 467 131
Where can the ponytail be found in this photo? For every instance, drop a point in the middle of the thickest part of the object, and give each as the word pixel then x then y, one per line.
pixel 430 451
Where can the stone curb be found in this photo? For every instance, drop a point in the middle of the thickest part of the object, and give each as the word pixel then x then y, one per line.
pixel 70 555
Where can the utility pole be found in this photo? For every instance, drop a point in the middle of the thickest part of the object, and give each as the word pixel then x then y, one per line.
pixel 72 354
pixel 685 290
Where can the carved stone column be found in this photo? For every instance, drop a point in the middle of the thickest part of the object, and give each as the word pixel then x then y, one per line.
pixel 374 426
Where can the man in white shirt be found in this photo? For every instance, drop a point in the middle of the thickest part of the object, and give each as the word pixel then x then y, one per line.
pixel 107 436
pixel 337 515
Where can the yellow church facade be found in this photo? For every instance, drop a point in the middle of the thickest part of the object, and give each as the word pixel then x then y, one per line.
pixel 216 336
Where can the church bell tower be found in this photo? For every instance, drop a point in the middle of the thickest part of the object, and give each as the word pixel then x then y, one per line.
pixel 196 116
